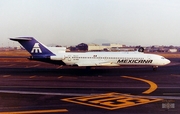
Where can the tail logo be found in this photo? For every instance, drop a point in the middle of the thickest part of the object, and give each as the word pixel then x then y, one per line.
pixel 36 48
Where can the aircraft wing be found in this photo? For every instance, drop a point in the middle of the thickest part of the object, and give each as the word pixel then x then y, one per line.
pixel 96 63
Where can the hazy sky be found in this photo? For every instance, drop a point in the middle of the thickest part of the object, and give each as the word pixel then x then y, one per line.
pixel 70 22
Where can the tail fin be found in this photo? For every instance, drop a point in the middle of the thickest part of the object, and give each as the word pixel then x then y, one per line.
pixel 34 47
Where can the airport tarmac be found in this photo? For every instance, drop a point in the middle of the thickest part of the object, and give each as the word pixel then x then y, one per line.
pixel 36 87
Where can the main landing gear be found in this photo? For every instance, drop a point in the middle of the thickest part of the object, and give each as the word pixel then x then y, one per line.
pixel 155 68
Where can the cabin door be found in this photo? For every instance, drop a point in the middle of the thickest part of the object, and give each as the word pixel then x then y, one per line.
pixel 69 57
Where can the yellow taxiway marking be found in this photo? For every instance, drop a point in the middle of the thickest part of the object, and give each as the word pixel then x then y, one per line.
pixel 36 65
pixel 59 67
pixel 152 88
pixel 60 77
pixel 111 101
pixel 36 111
pixel 175 75
pixel 32 76
pixel 32 66
pixel 8 65
pixel 11 65
pixel 5 76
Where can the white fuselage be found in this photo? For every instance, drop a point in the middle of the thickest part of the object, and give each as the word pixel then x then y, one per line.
pixel 110 59
pixel 55 55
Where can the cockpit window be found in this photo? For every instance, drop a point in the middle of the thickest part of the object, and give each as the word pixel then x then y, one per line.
pixel 162 58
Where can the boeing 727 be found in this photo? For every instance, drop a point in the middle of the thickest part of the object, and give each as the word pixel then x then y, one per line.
pixel 40 52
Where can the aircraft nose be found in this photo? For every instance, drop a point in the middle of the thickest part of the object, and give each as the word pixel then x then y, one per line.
pixel 167 61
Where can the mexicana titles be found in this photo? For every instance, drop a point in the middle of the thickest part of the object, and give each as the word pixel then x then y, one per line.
pixel 134 61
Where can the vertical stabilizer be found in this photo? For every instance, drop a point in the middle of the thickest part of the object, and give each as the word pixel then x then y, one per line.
pixel 34 47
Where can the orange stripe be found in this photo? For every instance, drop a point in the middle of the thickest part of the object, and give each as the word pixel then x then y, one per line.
pixel 36 111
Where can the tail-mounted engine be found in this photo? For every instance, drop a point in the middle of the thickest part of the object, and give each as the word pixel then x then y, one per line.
pixel 141 49
pixel 57 57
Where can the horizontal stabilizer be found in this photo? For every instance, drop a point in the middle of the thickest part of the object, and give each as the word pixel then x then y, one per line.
pixel 21 39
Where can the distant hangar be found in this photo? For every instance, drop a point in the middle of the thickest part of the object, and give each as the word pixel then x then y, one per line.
pixel 103 47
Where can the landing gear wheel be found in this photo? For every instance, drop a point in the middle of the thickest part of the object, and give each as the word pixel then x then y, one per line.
pixel 155 68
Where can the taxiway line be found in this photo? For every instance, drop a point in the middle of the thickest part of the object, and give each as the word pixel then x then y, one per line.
pixel 175 75
pixel 7 65
pixel 152 88
pixel 60 77
pixel 32 76
pixel 41 93
pixel 5 76
pixel 36 111
pixel 32 66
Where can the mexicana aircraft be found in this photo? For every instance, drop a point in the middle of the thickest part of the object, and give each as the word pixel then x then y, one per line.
pixel 55 55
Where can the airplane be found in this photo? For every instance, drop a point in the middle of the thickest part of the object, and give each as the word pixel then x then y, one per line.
pixel 58 55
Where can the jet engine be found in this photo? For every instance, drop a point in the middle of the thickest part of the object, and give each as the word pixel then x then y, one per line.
pixel 141 49
pixel 59 57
